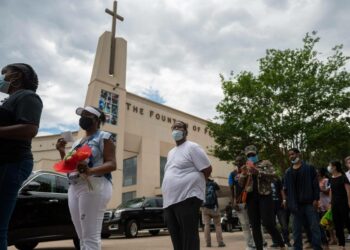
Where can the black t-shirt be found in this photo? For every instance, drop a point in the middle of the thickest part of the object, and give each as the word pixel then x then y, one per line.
pixel 296 175
pixel 22 107
pixel 276 188
pixel 339 195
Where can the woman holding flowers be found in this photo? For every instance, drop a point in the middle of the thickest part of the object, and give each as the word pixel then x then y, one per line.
pixel 90 186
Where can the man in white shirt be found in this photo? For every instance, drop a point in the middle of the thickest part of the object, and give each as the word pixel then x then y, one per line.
pixel 183 189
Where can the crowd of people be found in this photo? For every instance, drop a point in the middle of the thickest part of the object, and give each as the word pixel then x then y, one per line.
pixel 260 197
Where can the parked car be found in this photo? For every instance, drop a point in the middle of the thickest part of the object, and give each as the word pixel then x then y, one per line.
pixel 236 225
pixel 41 213
pixel 130 217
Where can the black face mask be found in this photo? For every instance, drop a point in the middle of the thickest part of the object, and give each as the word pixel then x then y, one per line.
pixel 85 122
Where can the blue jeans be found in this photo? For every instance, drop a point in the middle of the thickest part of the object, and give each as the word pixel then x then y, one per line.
pixel 12 175
pixel 309 214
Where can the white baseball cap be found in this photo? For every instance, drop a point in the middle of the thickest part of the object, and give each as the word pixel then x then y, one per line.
pixel 89 109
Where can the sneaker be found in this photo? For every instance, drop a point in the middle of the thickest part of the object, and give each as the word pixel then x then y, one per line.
pixel 208 244
pixel 221 244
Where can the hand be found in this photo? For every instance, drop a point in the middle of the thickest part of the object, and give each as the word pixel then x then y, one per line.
pixel 83 168
pixel 61 145
pixel 284 204
pixel 315 205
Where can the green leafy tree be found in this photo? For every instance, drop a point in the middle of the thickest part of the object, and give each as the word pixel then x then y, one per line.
pixel 295 100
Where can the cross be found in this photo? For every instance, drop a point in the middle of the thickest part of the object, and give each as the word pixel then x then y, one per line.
pixel 114 17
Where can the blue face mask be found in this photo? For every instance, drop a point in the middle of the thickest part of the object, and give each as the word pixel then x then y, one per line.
pixel 254 158
pixel 4 85
pixel 178 135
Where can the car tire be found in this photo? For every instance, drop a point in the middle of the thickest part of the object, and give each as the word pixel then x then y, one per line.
pixel 154 232
pixel 76 243
pixel 131 229
pixel 26 246
pixel 105 235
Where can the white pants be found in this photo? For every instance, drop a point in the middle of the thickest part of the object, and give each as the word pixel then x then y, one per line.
pixel 242 215
pixel 87 209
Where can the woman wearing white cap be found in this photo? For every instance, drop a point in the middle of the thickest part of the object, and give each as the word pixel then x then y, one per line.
pixel 90 186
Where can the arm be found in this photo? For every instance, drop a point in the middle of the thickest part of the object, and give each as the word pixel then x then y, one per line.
pixel 207 171
pixel 109 161
pixel 19 131
pixel 315 188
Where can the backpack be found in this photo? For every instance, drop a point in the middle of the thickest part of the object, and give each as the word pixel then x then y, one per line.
pixel 210 195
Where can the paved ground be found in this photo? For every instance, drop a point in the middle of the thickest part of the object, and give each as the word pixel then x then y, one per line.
pixel 146 242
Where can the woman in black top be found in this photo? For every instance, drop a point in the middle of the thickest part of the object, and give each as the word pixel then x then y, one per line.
pixel 19 122
pixel 340 201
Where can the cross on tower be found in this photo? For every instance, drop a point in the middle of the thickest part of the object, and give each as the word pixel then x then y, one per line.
pixel 115 16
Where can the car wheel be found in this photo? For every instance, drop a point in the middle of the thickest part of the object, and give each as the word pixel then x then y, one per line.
pixel 76 243
pixel 26 246
pixel 154 232
pixel 132 229
pixel 105 235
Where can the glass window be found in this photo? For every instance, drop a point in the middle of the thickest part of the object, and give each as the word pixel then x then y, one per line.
pixel 47 183
pixel 150 203
pixel 108 103
pixel 162 168
pixel 129 171
pixel 127 196
pixel 61 184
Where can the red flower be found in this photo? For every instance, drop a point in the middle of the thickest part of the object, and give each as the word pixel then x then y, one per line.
pixel 71 160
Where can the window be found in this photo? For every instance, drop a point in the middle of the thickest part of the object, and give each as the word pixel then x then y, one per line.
pixel 61 184
pixel 47 183
pixel 128 196
pixel 129 171
pixel 150 203
pixel 108 103
pixel 162 168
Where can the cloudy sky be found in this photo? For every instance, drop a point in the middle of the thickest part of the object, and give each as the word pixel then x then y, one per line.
pixel 176 49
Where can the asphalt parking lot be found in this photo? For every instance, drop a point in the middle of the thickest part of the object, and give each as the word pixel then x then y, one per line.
pixel 146 242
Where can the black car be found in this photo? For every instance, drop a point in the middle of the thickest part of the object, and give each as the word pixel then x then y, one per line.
pixel 41 213
pixel 129 218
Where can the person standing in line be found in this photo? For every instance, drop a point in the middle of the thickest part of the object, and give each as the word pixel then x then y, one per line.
pixel 186 171
pixel 238 205
pixel 210 210
pixel 19 122
pixel 301 194
pixel 256 178
pixel 340 200
pixel 347 173
pixel 325 200
pixel 281 213
pixel 90 186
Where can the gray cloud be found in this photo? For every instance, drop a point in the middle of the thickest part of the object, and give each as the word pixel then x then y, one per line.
pixel 176 48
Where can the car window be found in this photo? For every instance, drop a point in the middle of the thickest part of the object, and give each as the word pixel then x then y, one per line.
pixel 134 203
pixel 46 181
pixel 160 202
pixel 150 203
pixel 61 185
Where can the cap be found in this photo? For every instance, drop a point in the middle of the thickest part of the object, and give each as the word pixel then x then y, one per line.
pixel 250 149
pixel 89 109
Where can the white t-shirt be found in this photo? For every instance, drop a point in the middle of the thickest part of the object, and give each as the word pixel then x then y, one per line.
pixel 183 177
pixel 348 174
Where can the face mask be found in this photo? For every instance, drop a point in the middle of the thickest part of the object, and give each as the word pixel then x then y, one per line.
pixel 329 168
pixel 4 85
pixel 85 122
pixel 296 160
pixel 254 158
pixel 178 135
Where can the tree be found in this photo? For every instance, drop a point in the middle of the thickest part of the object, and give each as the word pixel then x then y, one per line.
pixel 295 100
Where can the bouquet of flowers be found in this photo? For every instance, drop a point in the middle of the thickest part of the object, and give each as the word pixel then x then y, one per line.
pixel 327 220
pixel 72 159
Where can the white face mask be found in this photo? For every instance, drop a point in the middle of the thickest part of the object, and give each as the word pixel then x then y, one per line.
pixel 330 170
pixel 178 135
pixel 296 160
pixel 4 85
